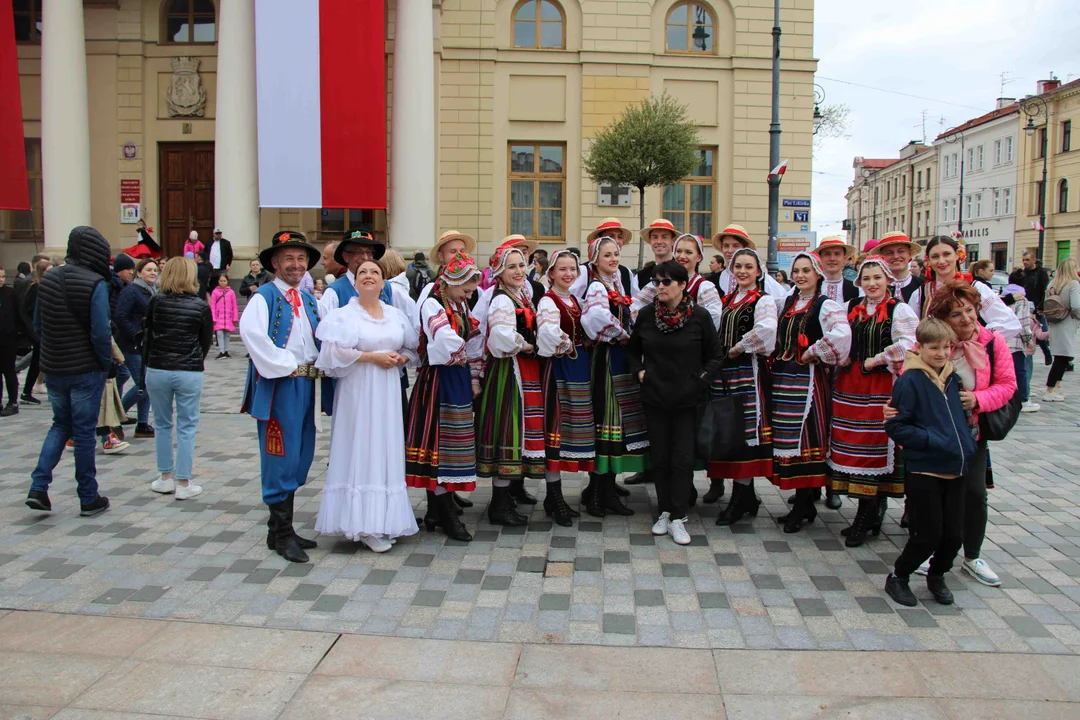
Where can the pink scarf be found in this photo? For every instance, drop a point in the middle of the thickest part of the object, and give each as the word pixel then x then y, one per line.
pixel 974 352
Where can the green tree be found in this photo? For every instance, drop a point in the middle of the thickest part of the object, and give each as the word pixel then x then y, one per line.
pixel 653 143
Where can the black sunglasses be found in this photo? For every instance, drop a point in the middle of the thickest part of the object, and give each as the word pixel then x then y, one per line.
pixel 663 281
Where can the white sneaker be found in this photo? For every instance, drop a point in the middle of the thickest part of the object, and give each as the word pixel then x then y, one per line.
pixel 189 491
pixel 163 485
pixel 1053 397
pixel 376 543
pixel 1030 407
pixel 677 529
pixel 661 525
pixel 924 569
pixel 979 570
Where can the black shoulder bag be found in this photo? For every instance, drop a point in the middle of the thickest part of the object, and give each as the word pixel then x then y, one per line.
pixel 722 431
pixel 996 424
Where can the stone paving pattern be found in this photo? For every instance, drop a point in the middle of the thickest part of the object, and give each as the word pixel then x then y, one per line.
pixel 603 582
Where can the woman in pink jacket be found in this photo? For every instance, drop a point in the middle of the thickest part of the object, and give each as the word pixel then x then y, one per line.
pixel 988 379
pixel 193 245
pixel 223 308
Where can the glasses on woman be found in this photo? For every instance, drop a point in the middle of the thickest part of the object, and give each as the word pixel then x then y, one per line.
pixel 664 281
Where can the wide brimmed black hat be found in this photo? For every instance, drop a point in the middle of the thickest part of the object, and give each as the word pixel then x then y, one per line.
pixel 358 237
pixel 288 239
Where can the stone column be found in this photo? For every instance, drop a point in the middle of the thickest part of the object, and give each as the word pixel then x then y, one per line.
pixel 236 159
pixel 65 124
pixel 412 126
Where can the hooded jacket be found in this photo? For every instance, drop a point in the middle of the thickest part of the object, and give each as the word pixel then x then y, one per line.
pixel 75 328
pixel 931 425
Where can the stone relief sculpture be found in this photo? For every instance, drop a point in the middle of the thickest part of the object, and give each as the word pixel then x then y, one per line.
pixel 186 95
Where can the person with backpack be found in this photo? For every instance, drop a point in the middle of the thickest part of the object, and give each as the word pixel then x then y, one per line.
pixel 1061 308
pixel 418 274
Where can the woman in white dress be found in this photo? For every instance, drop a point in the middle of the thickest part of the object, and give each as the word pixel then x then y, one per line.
pixel 363 345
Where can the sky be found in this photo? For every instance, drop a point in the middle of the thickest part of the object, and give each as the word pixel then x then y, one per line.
pixel 950 52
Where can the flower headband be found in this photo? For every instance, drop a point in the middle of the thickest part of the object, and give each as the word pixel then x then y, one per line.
pixel 460 270
pixel 695 238
pixel 501 257
pixel 879 262
pixel 559 254
pixel 594 247
pixel 813 257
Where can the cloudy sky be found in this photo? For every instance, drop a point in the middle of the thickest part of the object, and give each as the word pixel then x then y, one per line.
pixel 949 53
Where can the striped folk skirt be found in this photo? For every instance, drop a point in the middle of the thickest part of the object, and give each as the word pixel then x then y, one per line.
pixel 621 440
pixel 571 432
pixel 440 443
pixel 747 377
pixel 510 423
pixel 801 410
pixel 863 461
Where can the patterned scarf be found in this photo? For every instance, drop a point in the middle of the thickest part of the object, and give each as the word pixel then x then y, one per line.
pixel 669 320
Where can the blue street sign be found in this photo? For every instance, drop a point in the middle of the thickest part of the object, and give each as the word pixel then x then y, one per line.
pixel 802 216
pixel 804 228
pixel 790 202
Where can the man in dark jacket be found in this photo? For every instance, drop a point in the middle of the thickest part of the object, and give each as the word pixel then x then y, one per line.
pixel 1036 280
pixel 220 252
pixel 254 279
pixel 204 273
pixel 72 319
pixel 11 329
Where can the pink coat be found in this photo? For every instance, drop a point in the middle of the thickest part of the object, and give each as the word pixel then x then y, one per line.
pixel 994 393
pixel 223 308
pixel 193 246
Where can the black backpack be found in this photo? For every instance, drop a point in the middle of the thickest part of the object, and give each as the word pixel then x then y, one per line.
pixel 421 277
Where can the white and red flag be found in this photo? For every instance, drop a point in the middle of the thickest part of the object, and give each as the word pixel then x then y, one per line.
pixel 14 192
pixel 779 170
pixel 1037 225
pixel 321 95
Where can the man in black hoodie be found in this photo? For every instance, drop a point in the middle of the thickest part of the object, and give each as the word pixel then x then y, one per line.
pixel 72 319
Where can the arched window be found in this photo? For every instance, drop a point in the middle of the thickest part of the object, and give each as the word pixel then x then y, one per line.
pixel 691 28
pixel 539 24
pixel 187 22
pixel 1063 196
pixel 28 21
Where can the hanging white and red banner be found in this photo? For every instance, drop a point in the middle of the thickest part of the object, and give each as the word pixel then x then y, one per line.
pixel 321 97
pixel 14 193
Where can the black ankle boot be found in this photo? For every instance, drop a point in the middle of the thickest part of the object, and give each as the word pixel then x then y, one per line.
pixel 802 511
pixel 621 491
pixel 936 585
pixel 593 496
pixel 904 522
pixel 461 502
pixel 555 504
pixel 716 491
pixel 899 590
pixel 448 518
pixel 833 501
pixel 864 519
pixel 286 542
pixel 743 502
pixel 271 538
pixel 431 516
pixel 520 494
pixel 612 502
pixel 501 510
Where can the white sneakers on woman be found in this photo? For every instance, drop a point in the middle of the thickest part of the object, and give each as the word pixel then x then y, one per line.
pixel 168 486
pixel 677 530
pixel 164 485
pixel 186 492
pixel 1054 396
pixel 661 525
pixel 376 543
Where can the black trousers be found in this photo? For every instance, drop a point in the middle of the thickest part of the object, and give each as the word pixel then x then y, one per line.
pixel 33 371
pixel 672 433
pixel 975 513
pixel 7 367
pixel 936 517
pixel 1057 370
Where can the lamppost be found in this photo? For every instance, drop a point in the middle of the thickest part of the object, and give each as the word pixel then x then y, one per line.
pixel 1033 107
pixel 774 145
pixel 819 100
pixel 952 138
pixel 866 173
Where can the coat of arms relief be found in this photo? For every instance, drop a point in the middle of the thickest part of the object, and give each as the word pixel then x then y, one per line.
pixel 186 96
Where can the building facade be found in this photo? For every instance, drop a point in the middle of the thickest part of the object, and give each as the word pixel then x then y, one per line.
pixel 163 126
pixel 891 194
pixel 983 152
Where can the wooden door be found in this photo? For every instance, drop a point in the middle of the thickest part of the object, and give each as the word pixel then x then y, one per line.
pixel 186 182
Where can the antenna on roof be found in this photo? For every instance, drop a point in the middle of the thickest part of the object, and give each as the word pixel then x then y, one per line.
pixel 1005 80
pixel 923 126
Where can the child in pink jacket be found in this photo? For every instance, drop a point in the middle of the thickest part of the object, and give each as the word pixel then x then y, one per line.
pixel 193 245
pixel 225 314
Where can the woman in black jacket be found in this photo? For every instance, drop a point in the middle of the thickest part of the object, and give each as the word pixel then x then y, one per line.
pixel 179 330
pixel 28 304
pixel 674 352
pixel 128 320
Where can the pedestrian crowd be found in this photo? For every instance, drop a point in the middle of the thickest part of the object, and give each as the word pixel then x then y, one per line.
pixel 846 375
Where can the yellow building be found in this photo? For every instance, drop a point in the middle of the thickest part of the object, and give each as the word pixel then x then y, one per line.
pixel 890 194
pixel 520 88
pixel 1050 145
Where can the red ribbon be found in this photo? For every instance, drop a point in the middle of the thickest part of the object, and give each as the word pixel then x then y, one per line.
pixel 615 297
pixel 294 299
pixel 880 314
pixel 529 315
pixel 804 343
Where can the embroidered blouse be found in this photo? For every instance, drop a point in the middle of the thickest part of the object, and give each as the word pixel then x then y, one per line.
pixel 995 314
pixel 904 322
pixel 835 343
pixel 444 344
pixel 551 339
pixel 503 338
pixel 761 339
pixel 596 317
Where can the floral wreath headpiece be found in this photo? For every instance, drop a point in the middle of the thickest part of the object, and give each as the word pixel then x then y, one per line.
pixel 460 270
pixel 501 257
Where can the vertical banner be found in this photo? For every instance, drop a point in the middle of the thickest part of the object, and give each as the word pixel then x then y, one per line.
pixel 14 193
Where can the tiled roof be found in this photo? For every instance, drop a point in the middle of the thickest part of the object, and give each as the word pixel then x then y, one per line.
pixel 879 163
pixel 982 119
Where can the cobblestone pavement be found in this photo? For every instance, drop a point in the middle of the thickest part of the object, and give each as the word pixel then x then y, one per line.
pixel 600 582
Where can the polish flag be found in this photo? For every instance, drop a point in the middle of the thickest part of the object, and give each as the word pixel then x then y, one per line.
pixel 321 103
pixel 779 170
pixel 1037 225
pixel 14 192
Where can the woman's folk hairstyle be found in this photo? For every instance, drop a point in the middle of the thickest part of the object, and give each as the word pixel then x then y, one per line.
pixel 949 297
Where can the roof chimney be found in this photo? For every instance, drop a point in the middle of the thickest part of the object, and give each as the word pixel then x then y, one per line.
pixel 1050 85
pixel 1003 102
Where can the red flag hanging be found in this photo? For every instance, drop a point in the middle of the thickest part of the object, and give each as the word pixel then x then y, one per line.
pixel 14 193
pixel 779 170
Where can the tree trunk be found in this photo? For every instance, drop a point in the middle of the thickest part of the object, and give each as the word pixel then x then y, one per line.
pixel 641 243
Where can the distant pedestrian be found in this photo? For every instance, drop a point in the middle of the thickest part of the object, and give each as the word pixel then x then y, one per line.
pixel 1064 290
pixel 255 278
pixel 223 308
pixel 28 304
pixel 193 245
pixel 203 274
pixel 11 329
pixel 128 319
pixel 220 252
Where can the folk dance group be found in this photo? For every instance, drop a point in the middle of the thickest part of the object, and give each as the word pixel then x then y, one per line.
pixel 596 374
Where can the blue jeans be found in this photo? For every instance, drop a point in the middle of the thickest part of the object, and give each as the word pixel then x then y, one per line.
pixel 1023 365
pixel 184 387
pixel 1044 344
pixel 134 394
pixel 123 374
pixel 76 403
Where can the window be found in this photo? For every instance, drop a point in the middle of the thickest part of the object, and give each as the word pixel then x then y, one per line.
pixel 967 202
pixel 1041 150
pixel 189 21
pixel 997 152
pixel 955 165
pixel 537 190
pixel 903 223
pixel 546 32
pixel 971 159
pixel 335 222
pixel 903 184
pixel 997 202
pixel 952 209
pixel 999 251
pixel 944 211
pixel 979 157
pixel 26 224
pixel 1007 193
pixel 927 178
pixel 1008 149
pixel 1066 136
pixel 888 188
pixel 689 206
pixel 978 205
pixel 1063 196
pixel 1040 197
pixel 972 254
pixel 918 181
pixel 875 195
pixel 690 28
pixel 28 21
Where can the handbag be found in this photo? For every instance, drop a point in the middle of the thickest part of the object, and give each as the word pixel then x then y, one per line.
pixel 722 431
pixel 996 424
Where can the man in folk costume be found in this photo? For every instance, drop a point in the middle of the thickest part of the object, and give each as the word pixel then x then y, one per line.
pixel 898 250
pixel 278 328
pixel 660 234
pixel 614 229
pixel 727 241
pixel 834 253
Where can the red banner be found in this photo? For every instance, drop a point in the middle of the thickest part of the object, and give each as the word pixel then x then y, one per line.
pixel 14 193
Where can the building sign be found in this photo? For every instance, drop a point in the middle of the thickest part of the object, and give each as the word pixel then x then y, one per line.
pixel 610 195
pixel 131 151
pixel 801 216
pixel 790 244
pixel 129 213
pixel 130 191
pixel 792 202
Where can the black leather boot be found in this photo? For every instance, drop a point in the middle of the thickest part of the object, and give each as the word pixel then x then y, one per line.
pixel 461 502
pixel 271 538
pixel 641 478
pixel 621 491
pixel 833 501
pixel 815 495
pixel 520 494
pixel 286 542
pixel 864 520
pixel 555 504
pixel 501 510
pixel 716 491
pixel 802 511
pixel 593 496
pixel 431 517
pixel 448 518
pixel 744 501
pixel 612 502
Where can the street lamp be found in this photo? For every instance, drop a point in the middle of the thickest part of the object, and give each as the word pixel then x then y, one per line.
pixel 866 173
pixel 1033 107
pixel 952 138
pixel 819 100
pixel 774 145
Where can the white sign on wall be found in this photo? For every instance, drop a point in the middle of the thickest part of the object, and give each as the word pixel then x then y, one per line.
pixel 613 195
